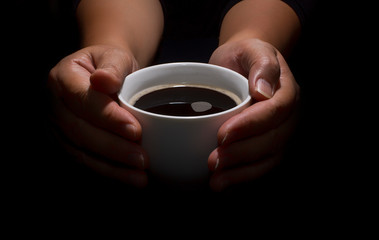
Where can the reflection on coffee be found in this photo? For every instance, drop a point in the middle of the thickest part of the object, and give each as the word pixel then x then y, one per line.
pixel 185 100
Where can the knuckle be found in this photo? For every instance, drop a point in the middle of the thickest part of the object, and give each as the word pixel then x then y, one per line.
pixel 110 111
pixel 52 80
pixel 75 132
pixel 270 63
pixel 276 144
pixel 69 129
pixel 275 108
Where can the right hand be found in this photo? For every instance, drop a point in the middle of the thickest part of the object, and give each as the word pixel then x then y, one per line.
pixel 101 134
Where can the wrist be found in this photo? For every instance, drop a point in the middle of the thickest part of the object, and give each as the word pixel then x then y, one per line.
pixel 272 21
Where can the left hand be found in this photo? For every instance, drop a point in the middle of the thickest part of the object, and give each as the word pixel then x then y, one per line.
pixel 252 142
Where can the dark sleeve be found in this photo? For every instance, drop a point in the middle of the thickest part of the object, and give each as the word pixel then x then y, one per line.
pixel 228 6
pixel 303 9
pixel 76 2
pixel 194 18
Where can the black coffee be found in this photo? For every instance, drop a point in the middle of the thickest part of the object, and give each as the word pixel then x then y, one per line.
pixel 185 101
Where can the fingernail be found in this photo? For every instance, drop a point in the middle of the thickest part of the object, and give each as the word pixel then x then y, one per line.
pixel 217 163
pixel 224 139
pixel 138 159
pixel 131 131
pixel 264 88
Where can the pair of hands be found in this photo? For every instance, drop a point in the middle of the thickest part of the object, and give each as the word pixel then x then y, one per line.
pixel 105 137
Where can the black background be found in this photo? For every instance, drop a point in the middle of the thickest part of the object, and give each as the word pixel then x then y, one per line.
pixel 326 63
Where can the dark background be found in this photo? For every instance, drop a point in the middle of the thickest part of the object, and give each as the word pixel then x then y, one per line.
pixel 40 33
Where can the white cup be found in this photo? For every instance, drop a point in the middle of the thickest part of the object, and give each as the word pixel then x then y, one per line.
pixel 179 147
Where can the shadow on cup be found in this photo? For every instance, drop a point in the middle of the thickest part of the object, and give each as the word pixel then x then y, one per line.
pixel 180 107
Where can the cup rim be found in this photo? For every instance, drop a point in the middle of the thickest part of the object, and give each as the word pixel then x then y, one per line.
pixel 195 64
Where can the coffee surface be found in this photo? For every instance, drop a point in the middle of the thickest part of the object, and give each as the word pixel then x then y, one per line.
pixel 185 101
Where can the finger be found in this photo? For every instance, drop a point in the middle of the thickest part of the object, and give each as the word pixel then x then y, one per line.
pixel 104 112
pixel 256 60
pixel 69 82
pixel 265 115
pixel 226 178
pixel 112 66
pixel 252 149
pixel 88 137
pixel 241 152
pixel 134 177
pixel 264 73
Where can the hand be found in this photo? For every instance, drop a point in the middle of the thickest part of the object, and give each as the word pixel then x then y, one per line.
pixel 100 133
pixel 252 142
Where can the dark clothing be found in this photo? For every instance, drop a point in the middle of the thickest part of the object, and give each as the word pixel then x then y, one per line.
pixel 194 18
pixel 303 9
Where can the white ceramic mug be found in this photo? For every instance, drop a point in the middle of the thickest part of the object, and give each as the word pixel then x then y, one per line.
pixel 179 147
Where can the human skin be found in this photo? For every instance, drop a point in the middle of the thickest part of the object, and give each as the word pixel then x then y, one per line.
pixel 118 37
pixel 121 36
pixel 253 36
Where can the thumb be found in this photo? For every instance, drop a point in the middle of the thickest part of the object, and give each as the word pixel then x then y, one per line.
pixel 264 75
pixel 112 66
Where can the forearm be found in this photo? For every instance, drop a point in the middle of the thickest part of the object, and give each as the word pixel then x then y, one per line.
pixel 136 26
pixel 272 21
